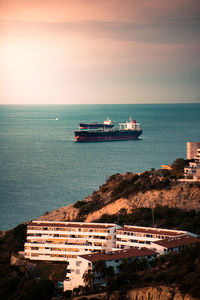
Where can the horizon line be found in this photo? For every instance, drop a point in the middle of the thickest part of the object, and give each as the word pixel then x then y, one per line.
pixel 74 104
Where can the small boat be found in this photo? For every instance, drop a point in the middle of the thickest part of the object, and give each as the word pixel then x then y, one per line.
pixel 106 124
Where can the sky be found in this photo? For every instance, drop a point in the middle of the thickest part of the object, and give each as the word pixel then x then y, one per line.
pixel 99 51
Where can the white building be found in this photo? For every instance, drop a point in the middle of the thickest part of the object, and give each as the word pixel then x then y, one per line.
pixel 174 244
pixel 77 268
pixel 193 149
pixel 81 244
pixel 138 236
pixel 193 154
pixel 61 241
pixel 83 263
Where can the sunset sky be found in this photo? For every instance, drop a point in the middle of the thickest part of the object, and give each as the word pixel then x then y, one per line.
pixel 99 51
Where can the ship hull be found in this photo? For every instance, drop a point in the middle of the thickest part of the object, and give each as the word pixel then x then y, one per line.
pixel 103 136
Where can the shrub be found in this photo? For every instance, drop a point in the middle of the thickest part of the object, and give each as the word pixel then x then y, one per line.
pixel 79 204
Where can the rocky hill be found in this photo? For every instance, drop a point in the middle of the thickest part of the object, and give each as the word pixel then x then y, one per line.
pixel 128 192
pixel 157 293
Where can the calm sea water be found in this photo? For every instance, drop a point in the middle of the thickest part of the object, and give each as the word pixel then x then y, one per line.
pixel 42 169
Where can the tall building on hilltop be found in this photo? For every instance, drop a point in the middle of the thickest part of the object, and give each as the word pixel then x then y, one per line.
pixel 193 150
pixel 193 154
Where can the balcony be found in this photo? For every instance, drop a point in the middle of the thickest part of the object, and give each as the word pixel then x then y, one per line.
pixel 66 241
pixel 68 233
pixel 67 247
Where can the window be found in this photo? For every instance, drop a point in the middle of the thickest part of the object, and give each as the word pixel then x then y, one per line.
pixel 78 264
pixel 77 271
pixel 34 248
pixel 148 235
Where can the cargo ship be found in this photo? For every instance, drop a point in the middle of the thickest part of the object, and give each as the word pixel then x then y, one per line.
pixel 106 124
pixel 129 130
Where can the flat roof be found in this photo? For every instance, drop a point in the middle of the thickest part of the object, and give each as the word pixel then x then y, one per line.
pixel 71 225
pixel 178 241
pixel 119 254
pixel 150 230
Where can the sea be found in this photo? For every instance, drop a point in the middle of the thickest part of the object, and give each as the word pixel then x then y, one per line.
pixel 43 169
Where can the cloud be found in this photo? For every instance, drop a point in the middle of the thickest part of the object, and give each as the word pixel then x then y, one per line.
pixel 98 10
pixel 173 31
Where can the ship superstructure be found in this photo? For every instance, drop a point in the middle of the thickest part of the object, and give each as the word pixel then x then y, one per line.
pixel 94 125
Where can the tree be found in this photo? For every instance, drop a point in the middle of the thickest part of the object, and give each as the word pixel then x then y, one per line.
pixel 123 267
pixel 34 290
pixel 24 269
pixel 76 291
pixel 178 167
pixel 53 277
pixel 100 269
pixel 88 277
pixel 143 264
pixel 109 274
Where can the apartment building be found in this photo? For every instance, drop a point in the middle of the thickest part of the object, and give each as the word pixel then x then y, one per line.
pixel 174 244
pixel 137 236
pixel 61 241
pixel 83 263
pixel 82 244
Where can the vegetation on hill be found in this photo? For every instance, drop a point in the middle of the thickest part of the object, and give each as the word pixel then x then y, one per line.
pixel 174 269
pixel 12 242
pixel 178 270
pixel 160 216
pixel 128 185
pixel 15 284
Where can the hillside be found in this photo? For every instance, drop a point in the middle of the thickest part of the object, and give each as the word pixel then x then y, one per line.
pixel 127 192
